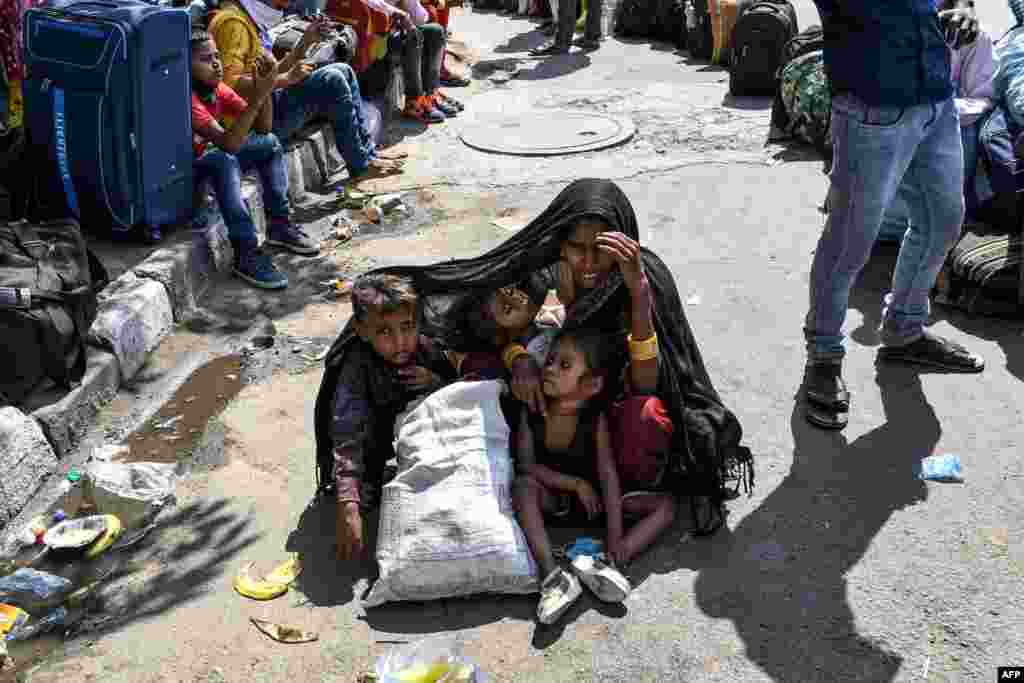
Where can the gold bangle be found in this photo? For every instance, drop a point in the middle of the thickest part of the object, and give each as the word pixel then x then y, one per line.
pixel 513 352
pixel 646 349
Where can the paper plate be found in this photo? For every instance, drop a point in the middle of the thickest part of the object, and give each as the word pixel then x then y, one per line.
pixel 76 533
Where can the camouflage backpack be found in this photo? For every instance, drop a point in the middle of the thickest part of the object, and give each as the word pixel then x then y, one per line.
pixel 804 91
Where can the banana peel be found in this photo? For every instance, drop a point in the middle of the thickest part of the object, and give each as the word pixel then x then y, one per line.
pixel 282 633
pixel 271 586
pixel 101 544
pixel 287 571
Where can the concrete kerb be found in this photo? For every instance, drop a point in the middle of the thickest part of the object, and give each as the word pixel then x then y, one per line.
pixel 26 458
pixel 137 311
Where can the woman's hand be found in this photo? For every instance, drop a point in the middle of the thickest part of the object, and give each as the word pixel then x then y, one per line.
pixel 626 252
pixel 526 385
pixel 417 377
pixel 588 498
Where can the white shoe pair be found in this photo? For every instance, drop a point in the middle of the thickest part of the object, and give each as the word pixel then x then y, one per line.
pixel 561 589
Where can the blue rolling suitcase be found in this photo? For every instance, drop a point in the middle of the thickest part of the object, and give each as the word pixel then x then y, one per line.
pixel 108 96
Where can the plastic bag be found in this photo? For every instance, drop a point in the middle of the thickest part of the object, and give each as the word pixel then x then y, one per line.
pixel 427 661
pixel 33 590
pixel 944 468
pixel 133 492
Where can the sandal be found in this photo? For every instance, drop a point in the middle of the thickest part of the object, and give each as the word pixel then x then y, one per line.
pixel 826 397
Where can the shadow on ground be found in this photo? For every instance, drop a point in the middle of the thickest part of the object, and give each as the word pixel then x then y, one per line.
pixel 327 582
pixel 540 68
pixel 1009 334
pixel 171 567
pixel 780 575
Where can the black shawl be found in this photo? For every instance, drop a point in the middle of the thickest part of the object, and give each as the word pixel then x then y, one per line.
pixel 710 464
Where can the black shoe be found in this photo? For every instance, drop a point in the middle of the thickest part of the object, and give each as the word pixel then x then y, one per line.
pixel 932 351
pixel 828 401
pixel 549 48
pixel 588 44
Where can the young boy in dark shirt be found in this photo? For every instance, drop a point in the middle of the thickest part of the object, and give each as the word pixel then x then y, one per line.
pixel 391 364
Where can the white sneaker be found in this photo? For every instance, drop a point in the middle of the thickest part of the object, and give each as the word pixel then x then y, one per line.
pixel 605 581
pixel 557 593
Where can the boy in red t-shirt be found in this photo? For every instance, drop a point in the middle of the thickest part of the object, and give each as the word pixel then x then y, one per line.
pixel 231 136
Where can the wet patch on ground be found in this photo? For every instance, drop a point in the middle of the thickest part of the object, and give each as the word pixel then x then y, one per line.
pixel 172 433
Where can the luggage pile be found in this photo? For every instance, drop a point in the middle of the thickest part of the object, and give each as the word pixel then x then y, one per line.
pixel 747 36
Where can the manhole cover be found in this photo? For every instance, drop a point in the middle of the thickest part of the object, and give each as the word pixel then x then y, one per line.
pixel 548 133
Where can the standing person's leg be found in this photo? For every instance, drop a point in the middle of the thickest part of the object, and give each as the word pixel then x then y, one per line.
pixel 564 29
pixel 435 39
pixel 592 31
pixel 969 143
pixel 872 148
pixel 417 98
pixel 896 219
pixel 935 179
pixel 265 153
pixel 224 172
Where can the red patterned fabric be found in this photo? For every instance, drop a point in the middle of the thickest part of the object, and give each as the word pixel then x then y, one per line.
pixel 11 12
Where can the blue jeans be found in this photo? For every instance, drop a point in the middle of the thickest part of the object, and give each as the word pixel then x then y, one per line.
pixel 876 150
pixel 224 171
pixel 332 92
pixel 897 216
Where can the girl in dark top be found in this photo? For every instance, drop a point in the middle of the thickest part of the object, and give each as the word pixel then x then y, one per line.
pixel 565 456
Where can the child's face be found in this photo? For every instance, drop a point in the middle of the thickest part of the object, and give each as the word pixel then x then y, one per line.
pixel 511 309
pixel 565 371
pixel 206 66
pixel 393 336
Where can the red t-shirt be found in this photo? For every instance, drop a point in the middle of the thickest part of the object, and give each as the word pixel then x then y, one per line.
pixel 226 103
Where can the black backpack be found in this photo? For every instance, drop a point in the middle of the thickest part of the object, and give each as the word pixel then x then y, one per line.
pixel 811 39
pixel 758 41
pixel 671 22
pixel 48 285
pixel 700 41
pixel 636 18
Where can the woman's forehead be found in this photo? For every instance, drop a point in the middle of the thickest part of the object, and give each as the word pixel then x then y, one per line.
pixel 587 230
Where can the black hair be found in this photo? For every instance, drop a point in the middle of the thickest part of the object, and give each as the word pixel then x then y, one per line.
pixel 383 293
pixel 604 355
pixel 199 35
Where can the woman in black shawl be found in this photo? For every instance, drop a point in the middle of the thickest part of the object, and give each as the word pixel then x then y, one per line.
pixel 586 243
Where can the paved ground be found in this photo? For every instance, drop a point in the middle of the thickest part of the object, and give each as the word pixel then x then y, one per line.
pixel 841 567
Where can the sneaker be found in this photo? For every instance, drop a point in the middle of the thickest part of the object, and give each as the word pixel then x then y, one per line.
pixel 557 593
pixel 603 580
pixel 549 48
pixel 932 351
pixel 258 270
pixel 445 107
pixel 450 80
pixel 423 109
pixel 450 101
pixel 287 235
pixel 589 44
